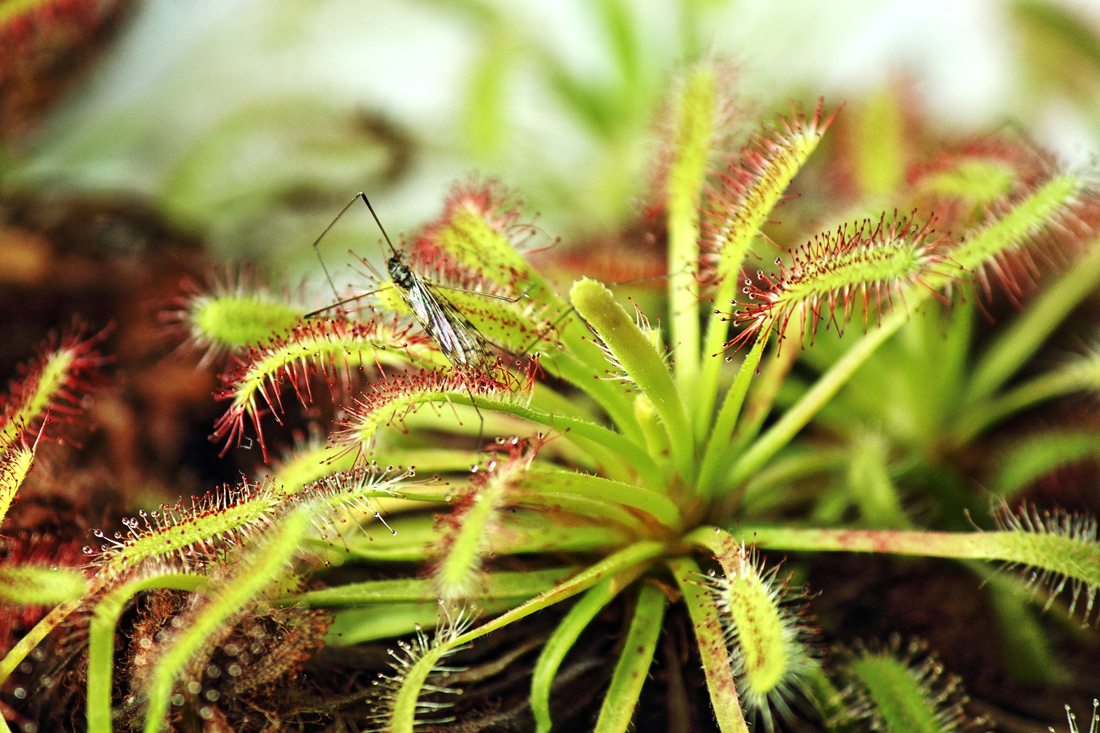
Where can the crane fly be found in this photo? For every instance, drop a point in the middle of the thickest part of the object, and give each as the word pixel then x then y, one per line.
pixel 461 343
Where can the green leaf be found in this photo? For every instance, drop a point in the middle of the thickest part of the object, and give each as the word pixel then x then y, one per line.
pixel 634 662
pixel 566 635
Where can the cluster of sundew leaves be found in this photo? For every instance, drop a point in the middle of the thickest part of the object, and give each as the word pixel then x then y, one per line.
pixel 639 448
pixel 895 258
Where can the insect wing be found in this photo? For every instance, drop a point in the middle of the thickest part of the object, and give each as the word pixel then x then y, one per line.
pixel 458 339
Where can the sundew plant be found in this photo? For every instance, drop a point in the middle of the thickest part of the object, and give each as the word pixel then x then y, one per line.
pixel 796 387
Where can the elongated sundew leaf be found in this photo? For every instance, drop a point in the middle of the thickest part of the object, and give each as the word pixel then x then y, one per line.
pixel 1060 549
pixel 637 356
pixel 331 348
pixel 755 608
pixel 101 639
pixel 232 516
pixel 860 265
pixel 471 526
pixel 1082 374
pixel 746 196
pixel 984 251
pixel 492 585
pixel 634 661
pixel 31 585
pixel 52 386
pixel 711 641
pixel 258 569
pixel 1009 232
pixel 419 664
pixel 657 505
pixel 566 635
pixel 695 117
pixel 1034 456
pixel 389 400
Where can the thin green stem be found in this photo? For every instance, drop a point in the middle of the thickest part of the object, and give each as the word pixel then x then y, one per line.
pixel 1019 342
pixel 711 641
pixel 712 360
pixel 594 600
pixel 655 504
pixel 101 640
pixel 722 432
pixel 634 662
pixel 640 553
pixel 1040 389
pixel 823 390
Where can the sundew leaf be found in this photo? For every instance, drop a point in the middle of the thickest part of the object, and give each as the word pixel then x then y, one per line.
pixel 15 464
pixel 253 572
pixel 234 314
pixel 903 692
pixel 861 266
pixel 32 585
pixel 1034 456
pixel 51 387
pixel 634 661
pixel 331 348
pixel 193 536
pixel 388 401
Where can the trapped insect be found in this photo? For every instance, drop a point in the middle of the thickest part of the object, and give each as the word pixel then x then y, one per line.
pixel 459 340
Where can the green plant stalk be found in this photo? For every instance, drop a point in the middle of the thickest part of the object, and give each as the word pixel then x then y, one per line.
pixel 713 340
pixel 594 600
pixel 686 177
pixel 724 424
pixel 1074 558
pixel 655 504
pixel 34 637
pixel 823 390
pixel 635 659
pixel 1047 386
pixel 404 707
pixel 1035 456
pixel 264 565
pixel 641 362
pixel 101 639
pixel 1035 323
pixel 711 640
pixel 619 449
pixel 518 584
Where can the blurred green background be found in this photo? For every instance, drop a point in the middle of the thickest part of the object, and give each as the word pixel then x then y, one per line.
pixel 252 123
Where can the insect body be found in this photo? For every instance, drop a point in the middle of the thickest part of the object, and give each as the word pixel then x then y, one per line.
pixel 457 338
